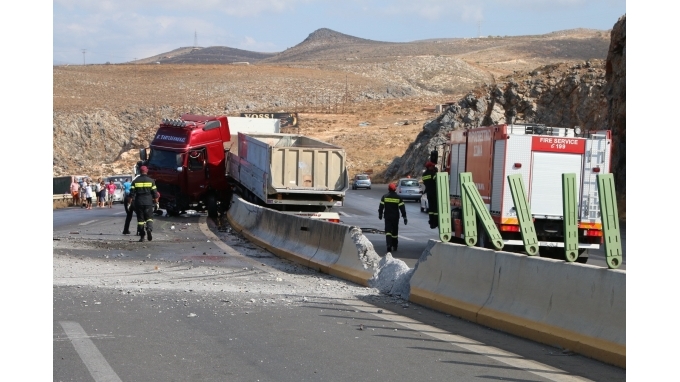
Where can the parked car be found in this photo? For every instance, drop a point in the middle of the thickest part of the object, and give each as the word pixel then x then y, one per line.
pixel 118 195
pixel 361 181
pixel 409 189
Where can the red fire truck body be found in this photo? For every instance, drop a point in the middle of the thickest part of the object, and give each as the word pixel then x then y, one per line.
pixel 541 155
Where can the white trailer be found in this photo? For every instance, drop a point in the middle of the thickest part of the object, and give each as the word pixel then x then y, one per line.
pixel 287 172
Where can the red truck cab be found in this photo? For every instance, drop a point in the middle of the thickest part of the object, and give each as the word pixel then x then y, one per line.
pixel 187 161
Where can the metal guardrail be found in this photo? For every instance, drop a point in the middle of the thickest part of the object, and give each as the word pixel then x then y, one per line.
pixel 62 197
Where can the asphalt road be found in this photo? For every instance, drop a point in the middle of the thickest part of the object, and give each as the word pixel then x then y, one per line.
pixel 361 209
pixel 197 304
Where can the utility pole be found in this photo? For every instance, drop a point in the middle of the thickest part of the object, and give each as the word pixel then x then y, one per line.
pixel 195 39
pixel 84 51
pixel 479 29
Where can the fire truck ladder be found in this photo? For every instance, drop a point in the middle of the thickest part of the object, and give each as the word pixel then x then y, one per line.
pixel 526 223
pixel 595 157
pixel 472 198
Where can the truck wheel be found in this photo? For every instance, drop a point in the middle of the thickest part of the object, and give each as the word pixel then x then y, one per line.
pixel 211 205
pixel 170 212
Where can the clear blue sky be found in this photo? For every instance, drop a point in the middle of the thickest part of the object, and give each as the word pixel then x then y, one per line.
pixel 121 30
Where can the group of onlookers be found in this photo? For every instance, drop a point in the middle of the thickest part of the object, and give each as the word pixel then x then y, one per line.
pixel 83 190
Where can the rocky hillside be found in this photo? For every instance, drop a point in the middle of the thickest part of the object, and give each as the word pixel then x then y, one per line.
pixel 590 95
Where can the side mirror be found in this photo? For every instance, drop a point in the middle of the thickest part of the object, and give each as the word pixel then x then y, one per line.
pixel 142 154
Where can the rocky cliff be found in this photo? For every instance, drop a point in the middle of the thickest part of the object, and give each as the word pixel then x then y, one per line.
pixel 590 95
pixel 615 92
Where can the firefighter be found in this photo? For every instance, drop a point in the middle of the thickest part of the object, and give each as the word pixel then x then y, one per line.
pixel 430 183
pixel 391 204
pixel 143 192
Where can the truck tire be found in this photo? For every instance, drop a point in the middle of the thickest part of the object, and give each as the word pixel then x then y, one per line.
pixel 211 206
pixel 172 212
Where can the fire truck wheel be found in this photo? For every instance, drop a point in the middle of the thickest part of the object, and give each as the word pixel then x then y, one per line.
pixel 170 212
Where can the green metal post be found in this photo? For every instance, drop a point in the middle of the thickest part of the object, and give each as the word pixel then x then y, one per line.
pixel 443 206
pixel 610 220
pixel 469 216
pixel 526 222
pixel 489 226
pixel 570 214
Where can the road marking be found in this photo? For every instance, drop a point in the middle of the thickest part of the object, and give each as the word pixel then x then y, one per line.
pixel 511 359
pixel 120 213
pixel 100 370
pixel 86 223
pixel 345 214
pixel 405 238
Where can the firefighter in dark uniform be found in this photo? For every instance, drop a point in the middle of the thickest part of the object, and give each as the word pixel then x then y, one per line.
pixel 430 183
pixel 391 204
pixel 143 191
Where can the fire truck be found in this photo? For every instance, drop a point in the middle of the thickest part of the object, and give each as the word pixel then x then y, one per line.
pixel 541 154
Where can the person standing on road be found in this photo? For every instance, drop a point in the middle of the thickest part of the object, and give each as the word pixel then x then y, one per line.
pixel 126 188
pixel 143 191
pixel 75 191
pixel 88 194
pixel 96 188
pixel 391 204
pixel 430 183
pixel 110 190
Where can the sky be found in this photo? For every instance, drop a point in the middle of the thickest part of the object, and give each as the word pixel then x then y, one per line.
pixel 118 31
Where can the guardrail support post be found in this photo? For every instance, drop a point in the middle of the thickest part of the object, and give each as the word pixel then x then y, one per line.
pixel 610 220
pixel 469 216
pixel 443 206
pixel 526 223
pixel 475 199
pixel 570 220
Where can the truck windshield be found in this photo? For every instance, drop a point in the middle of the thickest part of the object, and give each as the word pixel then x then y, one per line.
pixel 165 159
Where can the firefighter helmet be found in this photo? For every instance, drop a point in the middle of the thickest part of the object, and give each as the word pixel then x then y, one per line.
pixel 392 187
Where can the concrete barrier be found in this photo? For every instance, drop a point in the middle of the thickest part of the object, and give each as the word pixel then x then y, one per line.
pixel 574 306
pixel 350 265
pixel 327 247
pixel 453 278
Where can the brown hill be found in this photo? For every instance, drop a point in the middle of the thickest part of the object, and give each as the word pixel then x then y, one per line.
pixel 371 97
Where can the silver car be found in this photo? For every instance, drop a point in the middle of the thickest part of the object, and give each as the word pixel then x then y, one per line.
pixel 409 189
pixel 361 181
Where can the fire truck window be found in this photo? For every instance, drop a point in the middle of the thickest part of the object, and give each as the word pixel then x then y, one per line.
pixel 195 160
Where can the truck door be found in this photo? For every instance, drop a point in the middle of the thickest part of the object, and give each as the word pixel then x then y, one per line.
pixel 196 172
pixel 546 181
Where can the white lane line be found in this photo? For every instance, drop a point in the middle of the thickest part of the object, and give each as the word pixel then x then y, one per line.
pixel 120 213
pixel 405 238
pixel 100 370
pixel 511 359
pixel 86 223
pixel 345 214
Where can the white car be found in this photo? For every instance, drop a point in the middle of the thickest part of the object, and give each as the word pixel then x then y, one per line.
pixel 119 193
pixel 424 205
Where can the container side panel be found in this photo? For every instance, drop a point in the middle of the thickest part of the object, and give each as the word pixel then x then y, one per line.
pixel 498 177
pixel 518 152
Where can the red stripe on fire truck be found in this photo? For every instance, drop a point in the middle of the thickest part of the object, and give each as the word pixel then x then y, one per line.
pixel 558 144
